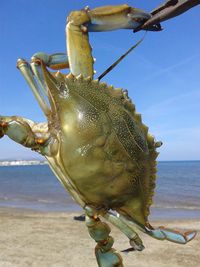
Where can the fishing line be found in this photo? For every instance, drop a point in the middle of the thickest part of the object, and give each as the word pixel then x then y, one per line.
pixel 121 58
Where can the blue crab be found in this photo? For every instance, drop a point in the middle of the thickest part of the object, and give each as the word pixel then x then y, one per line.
pixel 94 141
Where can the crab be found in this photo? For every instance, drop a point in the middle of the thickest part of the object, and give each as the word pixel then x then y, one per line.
pixel 94 141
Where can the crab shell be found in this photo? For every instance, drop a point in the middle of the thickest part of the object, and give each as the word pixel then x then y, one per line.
pixel 105 150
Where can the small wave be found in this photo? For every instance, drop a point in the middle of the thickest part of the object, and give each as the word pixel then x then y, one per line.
pixel 176 207
pixel 47 201
pixel 27 200
pixel 15 199
pixel 4 198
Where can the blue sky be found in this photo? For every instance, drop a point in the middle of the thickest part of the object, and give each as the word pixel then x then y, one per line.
pixel 162 74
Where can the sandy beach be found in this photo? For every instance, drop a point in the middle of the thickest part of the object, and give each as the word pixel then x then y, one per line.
pixel 55 240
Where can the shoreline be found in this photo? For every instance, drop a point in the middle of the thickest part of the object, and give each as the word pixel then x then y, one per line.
pixel 13 211
pixel 156 214
pixel 54 239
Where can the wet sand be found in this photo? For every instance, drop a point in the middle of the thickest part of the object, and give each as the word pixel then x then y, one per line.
pixel 55 240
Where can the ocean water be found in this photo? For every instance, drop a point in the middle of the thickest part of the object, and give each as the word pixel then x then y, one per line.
pixel 177 193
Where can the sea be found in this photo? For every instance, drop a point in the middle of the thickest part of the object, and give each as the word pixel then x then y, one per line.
pixel 34 187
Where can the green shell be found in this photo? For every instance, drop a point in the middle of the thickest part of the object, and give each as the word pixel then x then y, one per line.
pixel 129 149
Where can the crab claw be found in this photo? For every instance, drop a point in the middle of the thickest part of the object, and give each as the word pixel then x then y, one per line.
pixel 163 233
pixel 110 18
pixel 177 237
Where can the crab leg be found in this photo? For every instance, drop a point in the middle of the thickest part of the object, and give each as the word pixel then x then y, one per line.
pixel 20 130
pixel 26 71
pixel 176 236
pixel 106 255
pixel 105 18
pixel 55 61
pixel 161 232
pixel 135 240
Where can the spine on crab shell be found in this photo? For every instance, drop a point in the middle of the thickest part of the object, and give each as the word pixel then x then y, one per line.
pixel 153 154
pixel 151 179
